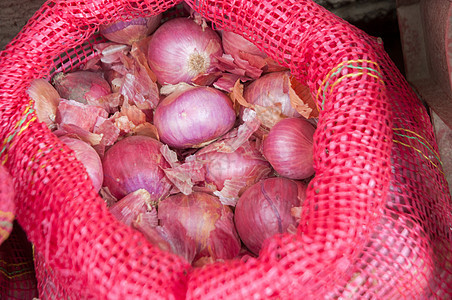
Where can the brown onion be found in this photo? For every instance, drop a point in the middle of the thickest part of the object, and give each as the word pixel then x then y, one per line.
pixel 265 209
pixel 289 148
pixel 135 163
pixel 131 30
pixel 205 220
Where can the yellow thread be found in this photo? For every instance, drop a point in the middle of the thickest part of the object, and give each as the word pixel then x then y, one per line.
pixel 409 146
pixel 26 126
pixel 420 136
pixel 6 214
pixel 340 65
pixel 17 275
pixel 14 265
pixel 353 75
pixel 5 159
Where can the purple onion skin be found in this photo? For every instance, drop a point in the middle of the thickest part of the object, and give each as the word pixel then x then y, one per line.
pixel 88 157
pixel 265 210
pixel 194 117
pixel 289 148
pixel 270 89
pixel 206 221
pixel 130 31
pixel 180 49
pixel 233 43
pixel 134 163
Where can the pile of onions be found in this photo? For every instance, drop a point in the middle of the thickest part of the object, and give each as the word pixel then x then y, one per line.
pixel 130 30
pixel 289 148
pixel 135 163
pixel 180 49
pixel 153 118
pixel 205 220
pixel 194 117
pixel 266 209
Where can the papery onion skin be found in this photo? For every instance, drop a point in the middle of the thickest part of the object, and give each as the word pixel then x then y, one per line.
pixel 233 43
pixel 88 157
pixel 270 89
pixel 265 210
pixel 206 221
pixel 246 162
pixel 82 86
pixel 194 117
pixel 133 163
pixel 130 31
pixel 289 148
pixel 180 49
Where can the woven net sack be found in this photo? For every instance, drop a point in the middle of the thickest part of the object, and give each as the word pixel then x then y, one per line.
pixel 377 220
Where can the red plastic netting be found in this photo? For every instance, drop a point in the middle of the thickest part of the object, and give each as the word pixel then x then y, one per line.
pixel 377 220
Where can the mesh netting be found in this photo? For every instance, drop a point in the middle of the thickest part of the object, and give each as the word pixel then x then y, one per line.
pixel 377 219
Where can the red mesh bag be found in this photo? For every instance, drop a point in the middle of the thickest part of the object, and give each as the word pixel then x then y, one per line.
pixel 377 219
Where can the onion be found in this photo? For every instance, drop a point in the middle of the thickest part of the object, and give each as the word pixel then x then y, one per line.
pixel 270 90
pixel 206 221
pixel 82 86
pixel 46 100
pixel 289 148
pixel 180 49
pixel 265 210
pixel 135 163
pixel 129 31
pixel 193 117
pixel 234 172
pixel 88 157
pixel 234 44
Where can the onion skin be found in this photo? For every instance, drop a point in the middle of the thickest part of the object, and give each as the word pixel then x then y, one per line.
pixel 206 221
pixel 271 89
pixel 193 117
pixel 133 163
pixel 246 163
pixel 180 49
pixel 82 86
pixel 130 31
pixel 88 157
pixel 289 148
pixel 234 43
pixel 265 210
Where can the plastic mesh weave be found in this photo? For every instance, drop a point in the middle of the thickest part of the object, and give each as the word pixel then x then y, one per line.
pixel 377 219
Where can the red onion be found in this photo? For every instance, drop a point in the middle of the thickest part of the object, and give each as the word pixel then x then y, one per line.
pixel 82 86
pixel 206 221
pixel 129 31
pixel 88 157
pixel 234 171
pixel 46 100
pixel 265 210
pixel 289 148
pixel 135 163
pixel 180 49
pixel 270 96
pixel 194 117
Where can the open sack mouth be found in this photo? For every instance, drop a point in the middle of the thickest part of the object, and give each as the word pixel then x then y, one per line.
pixel 213 149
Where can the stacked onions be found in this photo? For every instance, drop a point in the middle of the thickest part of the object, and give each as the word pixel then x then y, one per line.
pixel 200 150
